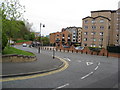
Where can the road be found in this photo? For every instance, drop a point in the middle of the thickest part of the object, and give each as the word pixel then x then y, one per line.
pixel 84 71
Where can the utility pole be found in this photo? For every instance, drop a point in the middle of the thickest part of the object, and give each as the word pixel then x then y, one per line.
pixel 39 50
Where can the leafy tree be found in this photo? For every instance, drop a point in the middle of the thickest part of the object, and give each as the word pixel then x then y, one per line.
pixel 11 12
pixel 4 40
pixel 32 36
pixel 44 40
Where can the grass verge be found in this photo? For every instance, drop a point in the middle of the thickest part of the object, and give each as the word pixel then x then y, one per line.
pixel 19 41
pixel 12 50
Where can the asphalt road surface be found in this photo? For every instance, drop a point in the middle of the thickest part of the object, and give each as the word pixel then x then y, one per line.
pixel 84 71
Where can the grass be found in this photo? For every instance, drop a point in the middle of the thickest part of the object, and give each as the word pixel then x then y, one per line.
pixel 12 50
pixel 19 41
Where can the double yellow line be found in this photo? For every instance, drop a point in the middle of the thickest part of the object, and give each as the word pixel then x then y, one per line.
pixel 38 75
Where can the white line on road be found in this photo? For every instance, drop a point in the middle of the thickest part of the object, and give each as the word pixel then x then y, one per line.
pixel 99 63
pixel 61 86
pixel 96 68
pixel 87 75
pixel 67 59
pixel 79 61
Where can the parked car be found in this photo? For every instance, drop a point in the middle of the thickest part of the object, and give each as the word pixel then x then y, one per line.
pixel 79 48
pixel 66 46
pixel 24 45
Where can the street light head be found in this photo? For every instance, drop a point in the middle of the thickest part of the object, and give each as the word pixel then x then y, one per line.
pixel 43 25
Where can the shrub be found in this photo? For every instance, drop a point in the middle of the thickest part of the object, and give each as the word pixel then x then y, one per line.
pixel 4 40
pixel 96 49
pixel 113 49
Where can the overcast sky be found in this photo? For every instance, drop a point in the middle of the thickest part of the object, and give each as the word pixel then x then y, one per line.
pixel 58 14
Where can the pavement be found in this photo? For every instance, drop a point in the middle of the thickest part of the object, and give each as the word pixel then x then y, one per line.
pixel 44 63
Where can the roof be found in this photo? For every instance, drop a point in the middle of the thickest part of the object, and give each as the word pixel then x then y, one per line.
pixel 112 11
pixel 96 17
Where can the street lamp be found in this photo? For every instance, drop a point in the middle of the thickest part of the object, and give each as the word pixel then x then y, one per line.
pixel 53 49
pixel 40 36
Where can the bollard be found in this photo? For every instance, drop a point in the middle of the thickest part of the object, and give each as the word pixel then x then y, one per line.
pixel 72 51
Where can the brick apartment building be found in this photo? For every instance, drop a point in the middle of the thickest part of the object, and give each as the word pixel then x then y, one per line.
pixel 67 36
pixel 100 30
pixel 118 21
pixel 79 36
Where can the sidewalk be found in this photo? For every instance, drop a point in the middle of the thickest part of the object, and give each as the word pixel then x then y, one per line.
pixel 43 64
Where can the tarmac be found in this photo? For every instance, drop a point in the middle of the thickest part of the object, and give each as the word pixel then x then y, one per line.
pixel 43 64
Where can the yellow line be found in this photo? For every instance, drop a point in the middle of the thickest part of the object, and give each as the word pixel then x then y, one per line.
pixel 38 75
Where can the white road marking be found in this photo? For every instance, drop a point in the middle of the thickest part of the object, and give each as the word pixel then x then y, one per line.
pixel 67 59
pixel 99 63
pixel 96 68
pixel 61 86
pixel 87 75
pixel 89 63
pixel 79 61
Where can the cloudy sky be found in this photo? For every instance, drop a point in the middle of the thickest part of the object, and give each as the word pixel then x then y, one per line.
pixel 58 14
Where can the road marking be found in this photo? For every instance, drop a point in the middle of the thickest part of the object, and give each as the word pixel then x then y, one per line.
pixel 96 68
pixel 99 63
pixel 37 75
pixel 89 63
pixel 79 61
pixel 61 86
pixel 67 59
pixel 87 75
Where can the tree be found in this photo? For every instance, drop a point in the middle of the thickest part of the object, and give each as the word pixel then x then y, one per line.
pixel 45 40
pixel 12 11
pixel 4 40
pixel 32 36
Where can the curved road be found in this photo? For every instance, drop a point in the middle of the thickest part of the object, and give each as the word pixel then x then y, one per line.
pixel 84 71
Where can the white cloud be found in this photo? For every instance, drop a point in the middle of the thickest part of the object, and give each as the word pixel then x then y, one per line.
pixel 58 14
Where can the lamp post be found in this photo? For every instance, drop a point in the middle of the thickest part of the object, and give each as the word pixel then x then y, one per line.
pixel 40 36
pixel 53 49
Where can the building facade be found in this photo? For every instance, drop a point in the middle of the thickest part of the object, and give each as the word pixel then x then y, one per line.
pixel 100 29
pixel 67 36
pixel 79 36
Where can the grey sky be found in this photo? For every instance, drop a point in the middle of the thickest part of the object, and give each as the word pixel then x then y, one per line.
pixel 58 14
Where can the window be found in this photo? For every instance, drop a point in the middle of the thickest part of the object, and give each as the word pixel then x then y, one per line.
pixel 85 33
pixel 63 35
pixel 117 35
pixel 86 27
pixel 101 33
pixel 85 39
pixel 68 37
pixel 73 36
pixel 93 39
pixel 93 45
pixel 85 44
pixel 117 40
pixel 100 45
pixel 93 27
pixel 102 27
pixel 101 21
pixel 93 33
pixel 101 39
pixel 93 21
pixel 57 39
pixel 73 40
pixel 86 21
pixel 57 35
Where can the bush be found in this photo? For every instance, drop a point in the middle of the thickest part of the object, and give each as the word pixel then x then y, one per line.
pixel 113 49
pixel 96 49
pixel 4 40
